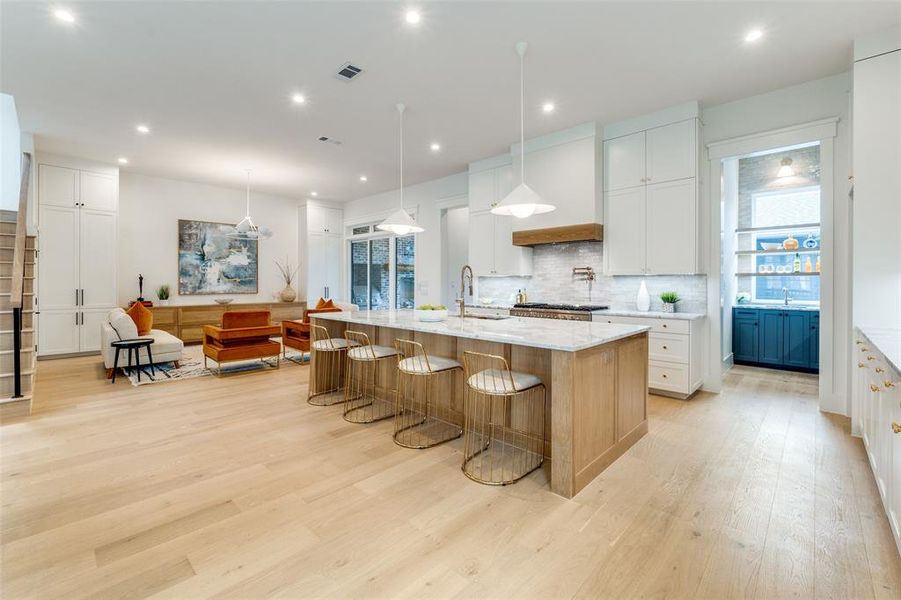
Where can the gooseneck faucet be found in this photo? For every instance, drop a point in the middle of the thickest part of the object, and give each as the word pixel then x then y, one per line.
pixel 462 299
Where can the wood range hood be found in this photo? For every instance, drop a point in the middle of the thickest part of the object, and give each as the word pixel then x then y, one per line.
pixel 586 232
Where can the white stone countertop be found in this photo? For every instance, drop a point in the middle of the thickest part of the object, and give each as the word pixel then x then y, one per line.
pixel 551 334
pixel 887 342
pixel 651 314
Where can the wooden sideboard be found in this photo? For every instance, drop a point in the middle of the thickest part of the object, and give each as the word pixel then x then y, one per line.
pixel 186 321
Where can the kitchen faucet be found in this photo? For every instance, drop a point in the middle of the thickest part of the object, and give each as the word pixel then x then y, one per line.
pixel 786 296
pixel 462 299
pixel 588 274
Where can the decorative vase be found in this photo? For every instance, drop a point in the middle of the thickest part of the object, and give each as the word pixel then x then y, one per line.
pixel 288 294
pixel 669 307
pixel 643 302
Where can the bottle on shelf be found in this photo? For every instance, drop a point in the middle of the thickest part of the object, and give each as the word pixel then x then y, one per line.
pixel 808 266
pixel 519 299
pixel 818 263
pixel 796 264
pixel 525 296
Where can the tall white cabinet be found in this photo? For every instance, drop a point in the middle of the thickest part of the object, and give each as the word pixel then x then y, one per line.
pixel 324 252
pixel 77 281
pixel 491 249
pixel 651 195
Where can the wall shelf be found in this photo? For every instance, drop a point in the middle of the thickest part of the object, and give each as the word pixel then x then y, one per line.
pixel 790 228
pixel 776 252
pixel 814 274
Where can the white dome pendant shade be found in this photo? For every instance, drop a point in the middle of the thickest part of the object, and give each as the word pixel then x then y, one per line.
pixel 400 222
pixel 246 229
pixel 523 201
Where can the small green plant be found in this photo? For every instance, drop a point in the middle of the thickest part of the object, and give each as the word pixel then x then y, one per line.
pixel 670 297
pixel 162 292
pixel 431 307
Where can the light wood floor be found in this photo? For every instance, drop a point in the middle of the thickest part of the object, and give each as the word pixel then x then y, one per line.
pixel 236 488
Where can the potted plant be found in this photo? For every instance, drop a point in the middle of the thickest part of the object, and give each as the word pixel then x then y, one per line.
pixel 669 301
pixel 287 272
pixel 431 312
pixel 162 293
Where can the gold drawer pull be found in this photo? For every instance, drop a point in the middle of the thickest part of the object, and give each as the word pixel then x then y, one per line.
pixel 896 428
pixel 888 383
pixel 860 365
pixel 871 358
pixel 858 342
pixel 862 349
pixel 880 370
pixel 874 387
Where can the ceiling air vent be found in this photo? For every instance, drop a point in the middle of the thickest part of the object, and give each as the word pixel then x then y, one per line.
pixel 348 71
pixel 328 140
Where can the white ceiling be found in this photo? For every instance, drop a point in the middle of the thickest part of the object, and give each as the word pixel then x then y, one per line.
pixel 213 80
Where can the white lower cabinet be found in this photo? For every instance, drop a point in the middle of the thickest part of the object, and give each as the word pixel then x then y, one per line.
pixel 674 352
pixel 58 331
pixel 876 409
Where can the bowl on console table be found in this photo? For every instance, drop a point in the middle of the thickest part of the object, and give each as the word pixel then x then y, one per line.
pixel 430 314
pixel 223 301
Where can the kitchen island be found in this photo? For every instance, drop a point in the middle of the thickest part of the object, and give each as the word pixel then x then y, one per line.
pixel 596 376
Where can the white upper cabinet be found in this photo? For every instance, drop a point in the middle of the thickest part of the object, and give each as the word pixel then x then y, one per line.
pixel 671 227
pixel 651 201
pixel 482 190
pixel 624 160
pixel 323 219
pixel 98 258
pixel 491 249
pixel 99 191
pixel 563 168
pixel 671 152
pixel 58 186
pixel 481 242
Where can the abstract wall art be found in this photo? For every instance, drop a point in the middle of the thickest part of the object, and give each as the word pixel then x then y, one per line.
pixel 210 262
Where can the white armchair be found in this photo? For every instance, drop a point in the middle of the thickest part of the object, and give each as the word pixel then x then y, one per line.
pixel 166 347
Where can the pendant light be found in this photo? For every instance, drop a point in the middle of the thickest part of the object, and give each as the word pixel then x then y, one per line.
pixel 523 201
pixel 786 170
pixel 400 222
pixel 246 229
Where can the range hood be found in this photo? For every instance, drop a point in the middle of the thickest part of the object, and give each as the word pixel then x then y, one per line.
pixel 586 232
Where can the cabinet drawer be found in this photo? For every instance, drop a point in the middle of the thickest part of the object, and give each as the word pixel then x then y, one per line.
pixel 668 376
pixel 656 325
pixel 671 347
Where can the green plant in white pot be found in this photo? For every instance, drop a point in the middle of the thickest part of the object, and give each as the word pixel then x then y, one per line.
pixel 669 300
pixel 162 293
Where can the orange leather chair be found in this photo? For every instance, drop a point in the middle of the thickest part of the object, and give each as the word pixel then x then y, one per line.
pixel 296 334
pixel 244 335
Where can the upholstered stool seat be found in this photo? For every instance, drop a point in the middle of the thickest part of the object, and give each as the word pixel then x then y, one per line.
pixel 366 397
pixel 504 421
pixel 422 417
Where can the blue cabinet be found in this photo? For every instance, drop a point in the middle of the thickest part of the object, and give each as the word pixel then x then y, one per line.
pixel 775 337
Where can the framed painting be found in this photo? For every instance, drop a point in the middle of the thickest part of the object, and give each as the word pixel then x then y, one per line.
pixel 210 262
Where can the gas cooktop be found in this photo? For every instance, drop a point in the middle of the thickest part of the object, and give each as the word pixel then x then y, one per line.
pixel 545 306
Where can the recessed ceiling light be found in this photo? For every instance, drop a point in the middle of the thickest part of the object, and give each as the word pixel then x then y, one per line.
pixel 435 146
pixel 314 193
pixel 123 160
pixel 64 15
pixel 753 35
pixel 413 17
pixel 298 99
pixel 142 128
pixel 364 178
pixel 548 107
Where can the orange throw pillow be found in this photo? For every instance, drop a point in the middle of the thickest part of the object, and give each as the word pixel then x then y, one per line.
pixel 142 317
pixel 322 303
pixel 329 304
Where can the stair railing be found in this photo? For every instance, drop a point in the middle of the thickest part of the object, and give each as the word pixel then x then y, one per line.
pixel 17 285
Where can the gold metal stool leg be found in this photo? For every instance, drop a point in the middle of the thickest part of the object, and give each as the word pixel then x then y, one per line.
pixel 326 386
pixel 362 402
pixel 417 423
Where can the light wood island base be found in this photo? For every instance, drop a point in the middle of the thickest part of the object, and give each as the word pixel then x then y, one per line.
pixel 597 397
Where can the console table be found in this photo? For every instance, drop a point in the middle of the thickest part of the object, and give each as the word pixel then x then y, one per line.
pixel 186 321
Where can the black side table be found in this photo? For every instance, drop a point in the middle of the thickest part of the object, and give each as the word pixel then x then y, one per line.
pixel 133 346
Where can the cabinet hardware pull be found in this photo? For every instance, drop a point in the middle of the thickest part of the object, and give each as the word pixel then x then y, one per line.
pixel 665 376
pixel 888 383
pixel 76 296
pixel 880 370
pixel 665 348
pixel 896 428
pixel 864 349
pixel 664 325
pixel 874 387
pixel 860 365
pixel 871 358
pixel 858 342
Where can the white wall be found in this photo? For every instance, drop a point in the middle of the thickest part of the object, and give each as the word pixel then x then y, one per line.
pixel 427 200
pixel 454 229
pixel 802 103
pixel 149 210
pixel 10 153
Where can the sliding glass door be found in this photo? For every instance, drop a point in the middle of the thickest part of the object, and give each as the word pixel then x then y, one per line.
pixel 382 272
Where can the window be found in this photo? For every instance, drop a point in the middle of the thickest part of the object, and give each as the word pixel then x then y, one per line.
pixel 382 272
pixel 361 230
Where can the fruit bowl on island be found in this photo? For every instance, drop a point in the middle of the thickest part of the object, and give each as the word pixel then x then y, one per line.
pixel 430 312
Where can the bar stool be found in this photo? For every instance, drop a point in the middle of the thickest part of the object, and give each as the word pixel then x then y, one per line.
pixel 364 361
pixel 418 422
pixel 326 367
pixel 504 412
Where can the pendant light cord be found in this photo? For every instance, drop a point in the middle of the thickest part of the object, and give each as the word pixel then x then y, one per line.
pixel 522 121
pixel 400 108
pixel 248 192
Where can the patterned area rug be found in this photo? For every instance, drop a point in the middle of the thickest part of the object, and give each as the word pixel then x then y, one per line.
pixel 192 367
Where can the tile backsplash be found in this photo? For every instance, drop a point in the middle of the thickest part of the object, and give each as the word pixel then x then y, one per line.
pixel 553 281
